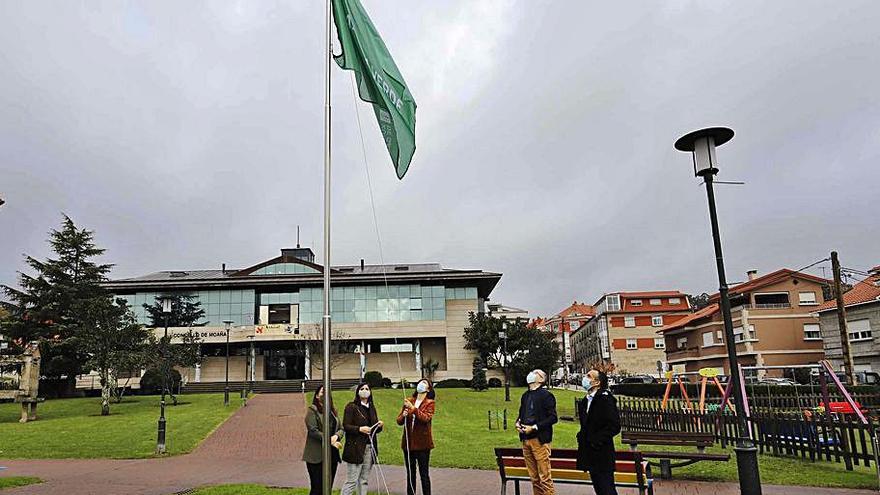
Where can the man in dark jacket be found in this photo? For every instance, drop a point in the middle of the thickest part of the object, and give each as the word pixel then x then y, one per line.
pixel 600 422
pixel 537 415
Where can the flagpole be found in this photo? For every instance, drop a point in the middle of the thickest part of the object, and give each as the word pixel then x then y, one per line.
pixel 325 362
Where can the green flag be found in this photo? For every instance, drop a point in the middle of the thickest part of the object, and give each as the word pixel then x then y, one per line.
pixel 378 79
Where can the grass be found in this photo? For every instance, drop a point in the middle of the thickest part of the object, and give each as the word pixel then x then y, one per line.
pixel 74 428
pixel 252 490
pixel 462 440
pixel 14 481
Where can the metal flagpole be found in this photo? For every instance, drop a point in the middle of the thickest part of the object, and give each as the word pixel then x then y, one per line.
pixel 327 487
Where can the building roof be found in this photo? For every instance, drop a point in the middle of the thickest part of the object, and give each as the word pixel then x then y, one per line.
pixel 706 312
pixel 576 309
pixel 650 294
pixel 770 279
pixel 867 290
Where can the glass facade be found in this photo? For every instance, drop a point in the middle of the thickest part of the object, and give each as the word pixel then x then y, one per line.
pixel 347 304
pixel 285 269
pixel 232 304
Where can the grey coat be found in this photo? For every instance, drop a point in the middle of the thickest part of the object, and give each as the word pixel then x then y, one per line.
pixel 314 436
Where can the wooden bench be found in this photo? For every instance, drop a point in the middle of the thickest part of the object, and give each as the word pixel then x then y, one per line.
pixel 674 439
pixel 631 470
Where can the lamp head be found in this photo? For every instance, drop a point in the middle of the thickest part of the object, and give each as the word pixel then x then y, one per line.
pixel 701 144
pixel 166 304
pixel 228 323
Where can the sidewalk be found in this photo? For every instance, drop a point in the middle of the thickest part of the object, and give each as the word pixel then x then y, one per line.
pixel 262 443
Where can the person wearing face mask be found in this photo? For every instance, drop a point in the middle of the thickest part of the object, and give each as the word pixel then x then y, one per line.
pixel 417 441
pixel 537 415
pixel 600 422
pixel 312 452
pixel 361 424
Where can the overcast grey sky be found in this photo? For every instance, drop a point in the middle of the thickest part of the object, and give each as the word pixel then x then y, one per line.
pixel 188 135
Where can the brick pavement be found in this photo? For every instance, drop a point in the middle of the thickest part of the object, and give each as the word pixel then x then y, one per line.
pixel 262 443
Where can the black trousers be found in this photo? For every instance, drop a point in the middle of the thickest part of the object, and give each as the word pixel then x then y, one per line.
pixel 419 458
pixel 316 474
pixel 603 482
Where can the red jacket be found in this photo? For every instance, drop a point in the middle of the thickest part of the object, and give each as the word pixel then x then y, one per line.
pixel 417 426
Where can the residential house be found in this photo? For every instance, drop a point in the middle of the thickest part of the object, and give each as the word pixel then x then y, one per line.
pixel 564 323
pixel 862 305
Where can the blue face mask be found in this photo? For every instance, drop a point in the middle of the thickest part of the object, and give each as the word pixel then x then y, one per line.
pixel 531 378
pixel 585 382
pixel 422 387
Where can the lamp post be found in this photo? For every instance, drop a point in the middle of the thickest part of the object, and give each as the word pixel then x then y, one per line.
pixel 160 436
pixel 251 359
pixel 228 324
pixel 701 144
pixel 503 336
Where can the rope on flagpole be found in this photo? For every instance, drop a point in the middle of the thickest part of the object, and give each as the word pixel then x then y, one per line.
pixel 385 278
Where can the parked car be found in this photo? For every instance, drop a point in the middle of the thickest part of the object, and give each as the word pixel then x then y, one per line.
pixel 638 379
pixel 861 377
pixel 777 382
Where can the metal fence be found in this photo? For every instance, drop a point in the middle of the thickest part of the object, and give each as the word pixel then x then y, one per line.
pixel 813 436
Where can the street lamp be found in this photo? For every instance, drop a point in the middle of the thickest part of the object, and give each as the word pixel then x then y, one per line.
pixel 701 144
pixel 228 324
pixel 160 437
pixel 503 336
pixel 252 360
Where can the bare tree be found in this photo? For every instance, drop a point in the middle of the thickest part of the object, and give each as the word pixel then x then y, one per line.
pixel 340 347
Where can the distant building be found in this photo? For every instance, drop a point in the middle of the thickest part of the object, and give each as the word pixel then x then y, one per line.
pixel 862 304
pixel 564 323
pixel 624 330
pixel 774 320
pixel 499 310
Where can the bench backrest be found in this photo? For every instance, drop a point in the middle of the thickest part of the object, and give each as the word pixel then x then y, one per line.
pixel 684 439
pixel 629 468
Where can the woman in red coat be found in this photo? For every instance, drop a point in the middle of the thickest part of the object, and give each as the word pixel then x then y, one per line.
pixel 417 442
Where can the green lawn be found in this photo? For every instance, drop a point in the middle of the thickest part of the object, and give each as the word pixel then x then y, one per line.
pixel 463 440
pixel 14 481
pixel 74 428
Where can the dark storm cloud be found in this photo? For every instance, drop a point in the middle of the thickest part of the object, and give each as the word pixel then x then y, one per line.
pixel 188 137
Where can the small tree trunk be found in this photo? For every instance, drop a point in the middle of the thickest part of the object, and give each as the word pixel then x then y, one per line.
pixel 105 394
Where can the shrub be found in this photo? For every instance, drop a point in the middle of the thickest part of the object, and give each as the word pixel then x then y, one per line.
pixel 386 382
pixel 373 379
pixel 151 382
pixel 495 382
pixel 453 383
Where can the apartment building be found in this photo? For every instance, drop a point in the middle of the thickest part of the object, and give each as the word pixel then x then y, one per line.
pixel 563 324
pixel 862 305
pixel 774 320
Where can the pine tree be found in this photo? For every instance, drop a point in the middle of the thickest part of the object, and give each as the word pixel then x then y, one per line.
pixel 478 382
pixel 43 308
pixel 184 312
pixel 180 350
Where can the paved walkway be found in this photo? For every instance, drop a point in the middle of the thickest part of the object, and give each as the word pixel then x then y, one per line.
pixel 262 443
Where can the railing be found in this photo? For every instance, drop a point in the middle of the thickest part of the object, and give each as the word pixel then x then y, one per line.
pixel 770 306
pixel 817 437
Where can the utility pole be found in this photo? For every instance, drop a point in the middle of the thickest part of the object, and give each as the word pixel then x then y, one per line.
pixel 564 352
pixel 841 322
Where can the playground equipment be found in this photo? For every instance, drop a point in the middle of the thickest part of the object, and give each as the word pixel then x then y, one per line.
pixel 28 364
pixel 705 375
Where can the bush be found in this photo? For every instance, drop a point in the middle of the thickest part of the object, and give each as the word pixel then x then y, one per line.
pixel 373 379
pixel 495 382
pixel 386 382
pixel 453 383
pixel 151 382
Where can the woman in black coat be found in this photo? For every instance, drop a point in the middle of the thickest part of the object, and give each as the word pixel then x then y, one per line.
pixel 600 422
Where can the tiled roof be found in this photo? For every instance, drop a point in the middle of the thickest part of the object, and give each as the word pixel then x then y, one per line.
pixel 769 279
pixel 576 308
pixel 865 291
pixel 649 294
pixel 703 313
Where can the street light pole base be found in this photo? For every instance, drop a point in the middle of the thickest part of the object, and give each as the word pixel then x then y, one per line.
pixel 747 468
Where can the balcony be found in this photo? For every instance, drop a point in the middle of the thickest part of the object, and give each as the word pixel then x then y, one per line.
pixel 687 352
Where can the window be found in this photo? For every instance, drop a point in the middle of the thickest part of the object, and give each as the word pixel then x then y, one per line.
pixel 629 321
pixel 674 300
pixel 659 343
pixel 632 344
pixel 811 332
pixel 682 343
pixel 655 302
pixel 574 325
pixel 613 302
pixel 772 300
pixel 859 330
pixel 279 314
pixel 739 336
pixel 657 321
pixel 635 302
pixel 708 340
pixel 807 298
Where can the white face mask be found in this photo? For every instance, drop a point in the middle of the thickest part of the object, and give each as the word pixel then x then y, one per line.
pixel 364 393
pixel 422 387
pixel 586 383
pixel 531 378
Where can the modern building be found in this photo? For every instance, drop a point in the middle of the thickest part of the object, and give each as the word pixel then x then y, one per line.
pixel 774 320
pixel 624 330
pixel 862 304
pixel 563 324
pixel 388 318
